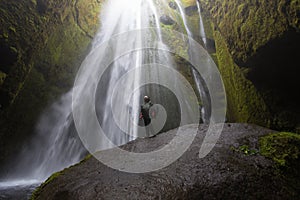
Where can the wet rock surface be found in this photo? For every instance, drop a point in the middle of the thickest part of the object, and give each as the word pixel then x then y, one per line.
pixel 222 174
pixel 191 10
pixel 166 20
pixel 173 5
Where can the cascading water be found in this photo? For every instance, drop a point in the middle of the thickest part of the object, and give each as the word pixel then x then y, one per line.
pixel 205 109
pixel 56 144
pixel 119 17
pixel 202 31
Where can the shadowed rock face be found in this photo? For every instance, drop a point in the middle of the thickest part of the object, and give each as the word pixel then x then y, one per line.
pixel 275 73
pixel 222 174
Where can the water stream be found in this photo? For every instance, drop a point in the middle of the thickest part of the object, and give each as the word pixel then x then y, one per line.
pixel 205 108
pixel 201 26
pixel 56 144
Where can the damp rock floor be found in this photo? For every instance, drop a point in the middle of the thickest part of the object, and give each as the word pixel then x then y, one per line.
pixel 223 174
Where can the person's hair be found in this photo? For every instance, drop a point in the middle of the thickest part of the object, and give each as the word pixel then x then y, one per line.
pixel 146 99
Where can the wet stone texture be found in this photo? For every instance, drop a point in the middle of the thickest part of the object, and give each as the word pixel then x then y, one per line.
pixel 223 174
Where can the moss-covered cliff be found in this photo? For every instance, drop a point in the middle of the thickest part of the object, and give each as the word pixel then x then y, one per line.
pixel 257 43
pixel 249 25
pixel 42 45
pixel 244 102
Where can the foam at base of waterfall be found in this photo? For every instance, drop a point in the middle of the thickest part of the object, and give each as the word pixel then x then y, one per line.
pixel 21 182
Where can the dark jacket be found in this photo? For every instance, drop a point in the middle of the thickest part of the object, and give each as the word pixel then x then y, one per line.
pixel 145 108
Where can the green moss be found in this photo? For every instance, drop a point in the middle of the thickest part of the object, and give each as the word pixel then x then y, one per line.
pixel 86 158
pixel 173 42
pixel 245 149
pixel 5 35
pixel 13 29
pixel 193 21
pixel 215 58
pixel 187 3
pixel 248 25
pixel 164 26
pixel 207 25
pixel 13 49
pixel 87 16
pixel 283 147
pixel 50 47
pixel 36 192
pixel 33 33
pixel 2 77
pixel 38 189
pixel 33 2
pixel 246 31
pixel 241 108
pixel 59 59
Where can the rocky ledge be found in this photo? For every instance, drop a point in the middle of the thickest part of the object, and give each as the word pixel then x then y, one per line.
pixel 234 169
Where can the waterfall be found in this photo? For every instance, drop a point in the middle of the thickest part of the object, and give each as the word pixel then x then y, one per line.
pixel 202 31
pixel 119 17
pixel 182 13
pixel 205 108
pixel 56 144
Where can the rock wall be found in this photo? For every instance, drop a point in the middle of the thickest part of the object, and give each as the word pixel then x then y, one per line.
pixel 256 42
pixel 43 42
pixel 244 102
pixel 249 25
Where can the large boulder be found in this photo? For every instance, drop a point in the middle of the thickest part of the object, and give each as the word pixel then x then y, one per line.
pixel 166 20
pixel 232 170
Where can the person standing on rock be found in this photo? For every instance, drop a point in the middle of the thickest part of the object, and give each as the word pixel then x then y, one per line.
pixel 145 115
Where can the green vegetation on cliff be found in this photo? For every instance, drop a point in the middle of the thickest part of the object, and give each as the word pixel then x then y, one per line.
pixel 43 43
pixel 249 25
pixel 262 36
pixel 29 29
pixel 244 102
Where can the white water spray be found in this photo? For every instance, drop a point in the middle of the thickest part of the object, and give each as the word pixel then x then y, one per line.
pixel 56 145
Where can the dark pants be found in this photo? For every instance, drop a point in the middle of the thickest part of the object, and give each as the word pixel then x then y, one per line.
pixel 148 126
pixel 147 121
